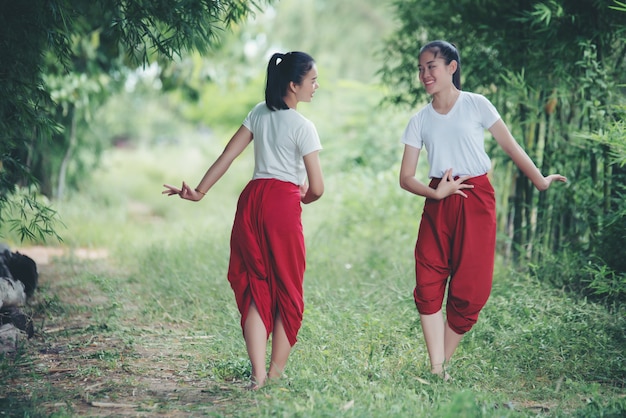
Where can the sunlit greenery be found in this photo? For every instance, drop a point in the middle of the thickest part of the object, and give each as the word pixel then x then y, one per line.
pixel 157 304
pixel 160 302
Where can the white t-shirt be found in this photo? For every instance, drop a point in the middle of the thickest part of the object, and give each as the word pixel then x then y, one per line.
pixel 457 139
pixel 281 139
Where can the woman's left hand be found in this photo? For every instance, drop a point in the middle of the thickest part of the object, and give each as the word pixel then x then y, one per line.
pixel 303 189
pixel 549 179
pixel 185 192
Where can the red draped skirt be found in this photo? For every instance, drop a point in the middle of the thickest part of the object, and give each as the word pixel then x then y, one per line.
pixel 267 254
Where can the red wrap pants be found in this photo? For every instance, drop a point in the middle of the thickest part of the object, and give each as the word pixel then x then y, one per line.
pixel 456 240
pixel 267 258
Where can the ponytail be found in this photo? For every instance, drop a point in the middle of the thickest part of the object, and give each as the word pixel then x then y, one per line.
pixel 283 69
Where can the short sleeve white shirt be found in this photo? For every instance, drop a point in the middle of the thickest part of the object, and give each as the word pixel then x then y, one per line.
pixel 457 139
pixel 281 139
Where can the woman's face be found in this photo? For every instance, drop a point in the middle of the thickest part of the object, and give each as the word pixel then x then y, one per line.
pixel 306 89
pixel 434 73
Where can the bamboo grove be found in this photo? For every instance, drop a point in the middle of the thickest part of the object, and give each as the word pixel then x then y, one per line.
pixel 556 71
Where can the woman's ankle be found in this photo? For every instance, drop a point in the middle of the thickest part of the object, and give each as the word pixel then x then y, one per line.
pixel 274 372
pixel 257 382
pixel 440 371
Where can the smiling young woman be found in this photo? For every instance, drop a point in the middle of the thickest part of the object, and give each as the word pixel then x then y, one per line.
pixel 267 257
pixel 456 241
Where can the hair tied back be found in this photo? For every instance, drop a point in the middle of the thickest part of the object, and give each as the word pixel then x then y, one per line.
pixel 283 69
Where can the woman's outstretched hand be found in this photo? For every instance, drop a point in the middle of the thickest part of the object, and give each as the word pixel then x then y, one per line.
pixel 547 181
pixel 185 192
pixel 449 185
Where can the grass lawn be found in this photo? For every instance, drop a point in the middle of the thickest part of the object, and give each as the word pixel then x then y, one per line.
pixel 134 316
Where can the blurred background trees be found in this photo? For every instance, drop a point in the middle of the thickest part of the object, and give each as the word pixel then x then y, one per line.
pixel 78 78
pixel 61 60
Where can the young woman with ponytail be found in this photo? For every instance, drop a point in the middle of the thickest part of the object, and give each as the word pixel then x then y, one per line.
pixel 267 258
pixel 457 233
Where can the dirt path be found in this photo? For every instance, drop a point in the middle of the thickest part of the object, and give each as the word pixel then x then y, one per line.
pixel 46 255
pixel 74 365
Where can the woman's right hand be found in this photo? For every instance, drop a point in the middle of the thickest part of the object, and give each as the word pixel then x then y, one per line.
pixel 449 185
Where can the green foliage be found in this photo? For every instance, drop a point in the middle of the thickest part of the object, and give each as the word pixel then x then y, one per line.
pixel 223 106
pixel 605 219
pixel 232 369
pixel 550 350
pixel 619 6
pixel 345 37
pixel 162 301
pixel 535 351
pixel 26 30
pixel 610 238
pixel 607 285
pixel 169 29
pixel 84 40
pixel 27 217
pixel 613 409
pixel 585 274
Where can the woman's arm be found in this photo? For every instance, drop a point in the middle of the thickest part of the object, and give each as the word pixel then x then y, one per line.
pixel 233 149
pixel 315 188
pixel 447 186
pixel 503 137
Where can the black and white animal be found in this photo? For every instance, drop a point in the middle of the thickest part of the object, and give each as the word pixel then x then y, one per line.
pixel 18 281
pixel 19 267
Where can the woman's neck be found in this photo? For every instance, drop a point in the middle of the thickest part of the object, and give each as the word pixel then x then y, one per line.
pixel 444 100
pixel 291 101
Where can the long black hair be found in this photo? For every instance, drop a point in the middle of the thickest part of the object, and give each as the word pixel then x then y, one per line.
pixel 282 70
pixel 449 53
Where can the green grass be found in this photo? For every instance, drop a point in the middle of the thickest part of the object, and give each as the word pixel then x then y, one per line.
pixel 154 326
pixel 161 302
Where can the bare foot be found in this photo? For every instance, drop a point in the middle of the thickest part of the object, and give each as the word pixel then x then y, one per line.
pixel 441 372
pixel 255 384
